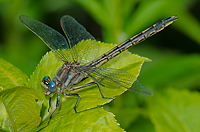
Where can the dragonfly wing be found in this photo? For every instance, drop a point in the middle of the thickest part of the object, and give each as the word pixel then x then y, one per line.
pixel 53 39
pixel 76 33
pixel 86 51
pixel 139 88
pixel 115 78
pixel 102 76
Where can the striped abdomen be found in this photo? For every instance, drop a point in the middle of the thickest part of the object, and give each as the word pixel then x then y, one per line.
pixel 132 41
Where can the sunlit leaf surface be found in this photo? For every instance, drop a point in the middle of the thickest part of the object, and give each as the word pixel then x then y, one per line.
pixel 90 120
pixel 11 76
pixel 19 110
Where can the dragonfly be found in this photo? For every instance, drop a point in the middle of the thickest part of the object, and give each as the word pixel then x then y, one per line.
pixel 76 69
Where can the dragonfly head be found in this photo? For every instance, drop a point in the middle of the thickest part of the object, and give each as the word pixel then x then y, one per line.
pixel 48 86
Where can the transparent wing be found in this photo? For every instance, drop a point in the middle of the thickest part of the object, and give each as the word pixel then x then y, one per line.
pixel 53 39
pixel 139 88
pixel 76 33
pixel 115 78
pixel 86 50
pixel 106 77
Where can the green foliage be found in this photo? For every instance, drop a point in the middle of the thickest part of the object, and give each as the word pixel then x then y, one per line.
pixel 174 63
pixel 90 96
pixel 11 76
pixel 117 16
pixel 169 113
pixel 90 120
pixel 19 109
pixel 184 73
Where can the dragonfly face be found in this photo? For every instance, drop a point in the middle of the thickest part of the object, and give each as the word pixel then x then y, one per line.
pixel 81 65
pixel 48 86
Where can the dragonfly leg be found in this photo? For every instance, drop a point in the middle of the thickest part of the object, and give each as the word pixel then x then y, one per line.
pixel 82 86
pixel 89 84
pixel 69 94
pixel 49 104
pixel 102 93
pixel 57 104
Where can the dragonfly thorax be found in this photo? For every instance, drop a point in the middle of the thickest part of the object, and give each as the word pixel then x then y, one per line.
pixel 65 78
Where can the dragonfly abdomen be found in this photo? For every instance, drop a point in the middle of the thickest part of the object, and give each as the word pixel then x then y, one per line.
pixel 133 41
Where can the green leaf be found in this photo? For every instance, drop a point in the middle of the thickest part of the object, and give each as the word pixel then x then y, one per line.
pixel 130 114
pixel 90 120
pixel 11 76
pixel 175 111
pixel 90 96
pixel 184 72
pixel 142 124
pixel 19 110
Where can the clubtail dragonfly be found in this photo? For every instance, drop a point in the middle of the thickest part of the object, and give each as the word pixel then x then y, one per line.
pixel 74 70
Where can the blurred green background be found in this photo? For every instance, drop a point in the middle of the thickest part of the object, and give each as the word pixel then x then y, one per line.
pixel 173 76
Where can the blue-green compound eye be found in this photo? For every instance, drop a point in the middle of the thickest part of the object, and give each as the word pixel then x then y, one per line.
pixel 45 78
pixel 52 86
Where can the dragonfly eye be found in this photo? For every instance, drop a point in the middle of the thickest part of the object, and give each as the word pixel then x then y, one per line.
pixel 46 80
pixel 47 85
pixel 52 86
